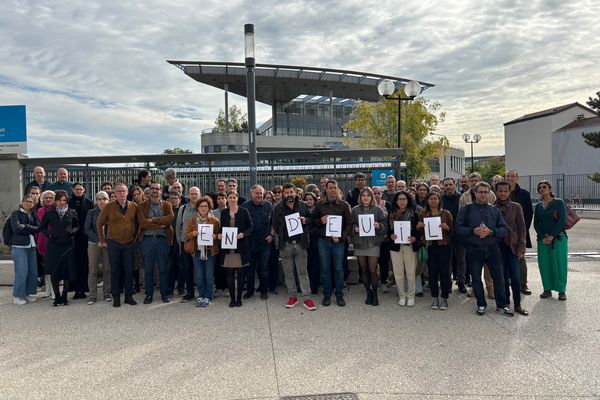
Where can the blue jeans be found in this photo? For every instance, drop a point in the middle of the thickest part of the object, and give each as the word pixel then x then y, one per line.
pixel 155 249
pixel 512 276
pixel 259 262
pixel 328 251
pixel 491 256
pixel 205 274
pixel 25 263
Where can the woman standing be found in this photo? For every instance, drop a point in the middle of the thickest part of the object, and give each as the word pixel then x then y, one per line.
pixel 23 225
pixel 548 221
pixel 404 259
pixel 42 241
pixel 422 193
pixel 438 261
pixel 203 256
pixel 313 260
pixel 367 248
pixel 236 260
pixel 59 225
pixel 81 205
pixel 97 253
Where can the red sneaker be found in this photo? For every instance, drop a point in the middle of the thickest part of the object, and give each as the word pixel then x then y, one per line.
pixel 291 303
pixel 309 305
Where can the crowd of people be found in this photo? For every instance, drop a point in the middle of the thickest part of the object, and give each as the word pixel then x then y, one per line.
pixel 191 247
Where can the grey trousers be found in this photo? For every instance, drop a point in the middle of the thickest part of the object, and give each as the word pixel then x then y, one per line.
pixel 97 255
pixel 293 256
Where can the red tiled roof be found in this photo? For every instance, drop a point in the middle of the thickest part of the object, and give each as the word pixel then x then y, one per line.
pixel 550 111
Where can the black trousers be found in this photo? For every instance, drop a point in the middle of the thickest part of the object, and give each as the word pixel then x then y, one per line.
pixel 121 264
pixel 438 266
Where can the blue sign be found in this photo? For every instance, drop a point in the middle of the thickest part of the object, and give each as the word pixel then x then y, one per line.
pixel 379 176
pixel 13 126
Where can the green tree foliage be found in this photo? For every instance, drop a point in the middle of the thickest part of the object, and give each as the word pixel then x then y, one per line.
pixel 176 150
pixel 379 124
pixel 238 120
pixel 593 138
pixel 492 167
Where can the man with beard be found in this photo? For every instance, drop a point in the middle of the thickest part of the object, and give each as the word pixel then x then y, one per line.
pixel 62 182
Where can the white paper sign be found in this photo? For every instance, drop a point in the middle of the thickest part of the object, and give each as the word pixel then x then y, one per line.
pixel 229 238
pixel 433 230
pixel 366 225
pixel 334 226
pixel 205 234
pixel 402 232
pixel 293 224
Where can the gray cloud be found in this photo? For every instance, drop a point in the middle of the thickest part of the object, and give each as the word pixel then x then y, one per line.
pixel 94 78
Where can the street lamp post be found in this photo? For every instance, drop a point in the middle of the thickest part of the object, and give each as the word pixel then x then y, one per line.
pixel 476 138
pixel 412 89
pixel 250 63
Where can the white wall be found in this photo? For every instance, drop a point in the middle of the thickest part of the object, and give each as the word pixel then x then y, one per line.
pixel 528 144
pixel 570 153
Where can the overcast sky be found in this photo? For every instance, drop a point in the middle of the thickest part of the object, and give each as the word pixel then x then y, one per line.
pixel 95 81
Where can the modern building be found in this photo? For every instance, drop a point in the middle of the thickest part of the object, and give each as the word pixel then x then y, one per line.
pixel 529 142
pixel 310 106
pixel 571 155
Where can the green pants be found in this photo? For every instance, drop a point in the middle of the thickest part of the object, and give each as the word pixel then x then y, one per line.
pixel 553 264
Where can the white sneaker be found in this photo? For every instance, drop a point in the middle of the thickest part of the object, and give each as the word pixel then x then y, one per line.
pixel 19 301
pixel 410 303
pixel 30 299
pixel 402 301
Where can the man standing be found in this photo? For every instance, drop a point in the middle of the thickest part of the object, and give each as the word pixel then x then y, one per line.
pixel 220 187
pixel 400 185
pixel 178 187
pixel 332 247
pixel 388 194
pixel 170 176
pixel 293 249
pixel 39 179
pixel 82 205
pixel 483 226
pixel 450 199
pixel 513 245
pixel 523 197
pixel 62 182
pixel 261 213
pixel 360 180
pixel 155 217
pixel 464 183
pixel 120 217
pixel 175 270
pixel 232 184
pixel 185 213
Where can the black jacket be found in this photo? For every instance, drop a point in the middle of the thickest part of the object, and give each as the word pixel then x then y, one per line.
pixel 280 211
pixel 450 203
pixel 20 236
pixel 523 197
pixel 244 224
pixel 57 229
pixel 395 215
pixel 471 216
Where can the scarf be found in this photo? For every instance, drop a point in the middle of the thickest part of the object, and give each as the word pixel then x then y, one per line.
pixel 203 249
pixel 61 211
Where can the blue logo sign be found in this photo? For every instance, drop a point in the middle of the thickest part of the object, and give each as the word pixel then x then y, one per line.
pixel 379 176
pixel 13 126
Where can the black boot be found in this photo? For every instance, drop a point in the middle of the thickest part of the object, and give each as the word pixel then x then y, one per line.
pixel 369 299
pixel 374 299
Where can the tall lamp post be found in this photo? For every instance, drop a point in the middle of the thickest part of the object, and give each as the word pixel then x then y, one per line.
pixel 250 63
pixel 412 89
pixel 447 143
pixel 476 139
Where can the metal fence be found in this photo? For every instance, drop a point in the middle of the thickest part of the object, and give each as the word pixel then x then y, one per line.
pixel 578 190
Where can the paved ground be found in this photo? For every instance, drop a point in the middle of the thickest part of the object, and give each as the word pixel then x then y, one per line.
pixel 264 351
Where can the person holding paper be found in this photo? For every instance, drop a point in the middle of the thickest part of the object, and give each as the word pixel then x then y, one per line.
pixel 313 262
pixel 435 225
pixel 202 231
pixel 290 222
pixel 482 227
pixel 404 246
pixel 368 230
pixel 332 217
pixel 236 260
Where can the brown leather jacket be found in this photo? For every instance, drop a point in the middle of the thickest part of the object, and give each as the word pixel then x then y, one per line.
pixel 513 215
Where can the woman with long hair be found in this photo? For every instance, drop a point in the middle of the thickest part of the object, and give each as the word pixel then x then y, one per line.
pixel 367 248
pixel 552 241
pixel 313 260
pixel 422 193
pixel 60 225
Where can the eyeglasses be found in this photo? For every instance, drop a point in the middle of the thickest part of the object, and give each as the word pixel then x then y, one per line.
pixel 486 192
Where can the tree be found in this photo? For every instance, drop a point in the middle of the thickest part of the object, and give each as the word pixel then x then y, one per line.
pixel 593 138
pixel 379 124
pixel 238 121
pixel 492 167
pixel 176 150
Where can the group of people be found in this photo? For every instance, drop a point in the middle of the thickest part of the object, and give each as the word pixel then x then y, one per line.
pixel 423 235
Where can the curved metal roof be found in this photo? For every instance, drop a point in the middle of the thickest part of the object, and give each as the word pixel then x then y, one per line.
pixel 286 82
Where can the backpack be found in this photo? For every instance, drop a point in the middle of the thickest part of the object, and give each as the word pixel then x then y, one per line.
pixel 7 233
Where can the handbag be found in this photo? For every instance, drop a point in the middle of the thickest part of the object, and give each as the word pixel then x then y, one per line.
pixel 422 254
pixel 571 217
pixel 232 260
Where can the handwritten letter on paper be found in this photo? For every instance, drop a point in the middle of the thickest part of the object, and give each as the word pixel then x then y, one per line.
pixel 433 230
pixel 205 234
pixel 229 238
pixel 366 225
pixel 402 231
pixel 293 224
pixel 334 226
